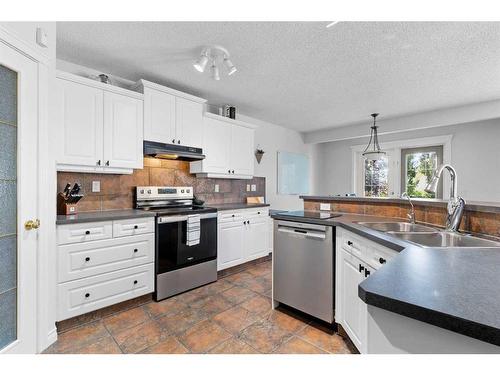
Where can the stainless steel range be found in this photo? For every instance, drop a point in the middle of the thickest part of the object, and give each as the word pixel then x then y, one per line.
pixel 186 238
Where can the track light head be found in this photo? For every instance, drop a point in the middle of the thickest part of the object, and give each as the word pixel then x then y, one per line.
pixel 202 62
pixel 229 66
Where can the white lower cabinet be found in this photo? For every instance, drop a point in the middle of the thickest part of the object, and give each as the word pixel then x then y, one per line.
pixel 103 263
pixel 357 259
pixel 243 235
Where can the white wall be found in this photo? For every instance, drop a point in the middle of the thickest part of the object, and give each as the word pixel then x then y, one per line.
pixel 475 153
pixel 271 138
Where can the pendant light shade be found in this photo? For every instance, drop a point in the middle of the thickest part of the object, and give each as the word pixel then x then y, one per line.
pixel 372 150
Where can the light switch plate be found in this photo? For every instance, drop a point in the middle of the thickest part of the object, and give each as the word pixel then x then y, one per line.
pixel 248 187
pixel 254 187
pixel 216 188
pixel 325 206
pixel 96 186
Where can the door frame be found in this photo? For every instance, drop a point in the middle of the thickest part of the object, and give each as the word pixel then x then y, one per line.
pixel 46 332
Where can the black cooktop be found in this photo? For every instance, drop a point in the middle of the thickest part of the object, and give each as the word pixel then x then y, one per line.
pixel 310 214
pixel 180 210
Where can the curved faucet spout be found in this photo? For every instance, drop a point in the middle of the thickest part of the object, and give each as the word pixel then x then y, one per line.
pixel 456 204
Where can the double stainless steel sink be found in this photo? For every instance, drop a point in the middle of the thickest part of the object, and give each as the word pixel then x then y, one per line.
pixel 426 236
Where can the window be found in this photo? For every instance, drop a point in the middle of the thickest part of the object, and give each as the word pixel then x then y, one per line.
pixel 417 168
pixel 376 174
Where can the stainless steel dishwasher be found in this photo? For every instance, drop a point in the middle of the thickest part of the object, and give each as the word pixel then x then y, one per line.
pixel 303 268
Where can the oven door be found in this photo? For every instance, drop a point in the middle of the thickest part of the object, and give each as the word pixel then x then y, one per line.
pixel 173 253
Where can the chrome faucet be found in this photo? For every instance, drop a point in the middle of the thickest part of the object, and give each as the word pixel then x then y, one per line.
pixel 410 215
pixel 456 204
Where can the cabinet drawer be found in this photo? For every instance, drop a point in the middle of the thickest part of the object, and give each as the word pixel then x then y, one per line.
pixel 353 244
pixel 230 216
pixel 80 260
pixel 258 212
pixel 92 293
pixel 73 233
pixel 377 256
pixel 132 227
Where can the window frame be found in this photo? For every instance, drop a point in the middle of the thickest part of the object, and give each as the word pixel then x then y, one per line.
pixel 393 150
pixel 438 149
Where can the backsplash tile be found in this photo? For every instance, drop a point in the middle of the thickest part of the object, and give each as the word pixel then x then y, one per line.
pixel 117 191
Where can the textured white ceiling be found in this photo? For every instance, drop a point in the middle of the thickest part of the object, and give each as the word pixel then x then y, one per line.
pixel 300 74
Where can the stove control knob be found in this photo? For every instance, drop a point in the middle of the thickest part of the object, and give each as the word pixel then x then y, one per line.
pixel 182 191
pixel 149 191
pixel 188 191
pixel 142 191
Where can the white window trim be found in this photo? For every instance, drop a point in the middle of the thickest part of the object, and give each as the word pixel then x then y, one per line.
pixel 393 150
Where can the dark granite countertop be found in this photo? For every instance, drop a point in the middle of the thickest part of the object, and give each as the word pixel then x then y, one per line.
pixel 87 217
pixel 456 289
pixel 236 206
pixel 493 207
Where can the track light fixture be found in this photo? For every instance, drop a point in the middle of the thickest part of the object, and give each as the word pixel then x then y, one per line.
pixel 217 55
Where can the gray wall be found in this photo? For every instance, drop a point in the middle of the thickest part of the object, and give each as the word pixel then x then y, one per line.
pixel 475 153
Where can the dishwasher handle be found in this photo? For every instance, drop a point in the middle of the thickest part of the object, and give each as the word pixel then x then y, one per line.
pixel 303 232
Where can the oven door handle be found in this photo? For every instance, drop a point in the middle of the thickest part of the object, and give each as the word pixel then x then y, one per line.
pixel 177 218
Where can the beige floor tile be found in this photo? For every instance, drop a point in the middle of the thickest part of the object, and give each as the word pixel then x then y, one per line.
pixel 106 345
pixel 168 346
pixel 286 320
pixel 258 305
pixel 237 294
pixel 298 346
pixel 181 321
pixel 332 343
pixel 235 319
pixel 211 305
pixel 264 336
pixel 76 338
pixel 140 337
pixel 204 336
pixel 233 346
pixel 124 320
pixel 166 307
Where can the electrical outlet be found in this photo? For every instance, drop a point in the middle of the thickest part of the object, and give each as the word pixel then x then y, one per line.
pixel 324 206
pixel 96 186
pixel 254 187
pixel 216 188
pixel 248 187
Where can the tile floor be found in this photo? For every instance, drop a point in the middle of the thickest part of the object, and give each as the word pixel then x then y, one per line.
pixel 232 315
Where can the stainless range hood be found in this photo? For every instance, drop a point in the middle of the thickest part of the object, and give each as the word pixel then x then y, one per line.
pixel 172 152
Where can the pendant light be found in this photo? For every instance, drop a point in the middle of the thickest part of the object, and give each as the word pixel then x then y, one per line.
pixel 373 152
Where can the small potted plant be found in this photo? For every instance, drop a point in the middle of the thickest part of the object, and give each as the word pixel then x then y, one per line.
pixel 259 153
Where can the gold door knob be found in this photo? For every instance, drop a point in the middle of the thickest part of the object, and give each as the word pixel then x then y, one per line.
pixel 32 224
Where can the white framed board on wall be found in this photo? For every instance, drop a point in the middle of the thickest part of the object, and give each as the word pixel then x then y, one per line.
pixel 293 173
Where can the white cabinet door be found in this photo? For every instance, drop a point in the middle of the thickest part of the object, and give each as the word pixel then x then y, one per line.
pixel 123 131
pixel 188 122
pixel 241 154
pixel 159 116
pixel 79 118
pixel 256 238
pixel 230 245
pixel 354 313
pixel 216 145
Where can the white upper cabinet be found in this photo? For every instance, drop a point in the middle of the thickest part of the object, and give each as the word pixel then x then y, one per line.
pixel 99 126
pixel 229 148
pixel 242 153
pixel 171 116
pixel 189 122
pixel 80 116
pixel 216 137
pixel 122 131
pixel 159 116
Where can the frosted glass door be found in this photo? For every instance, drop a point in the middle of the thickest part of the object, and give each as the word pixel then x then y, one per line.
pixel 8 209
